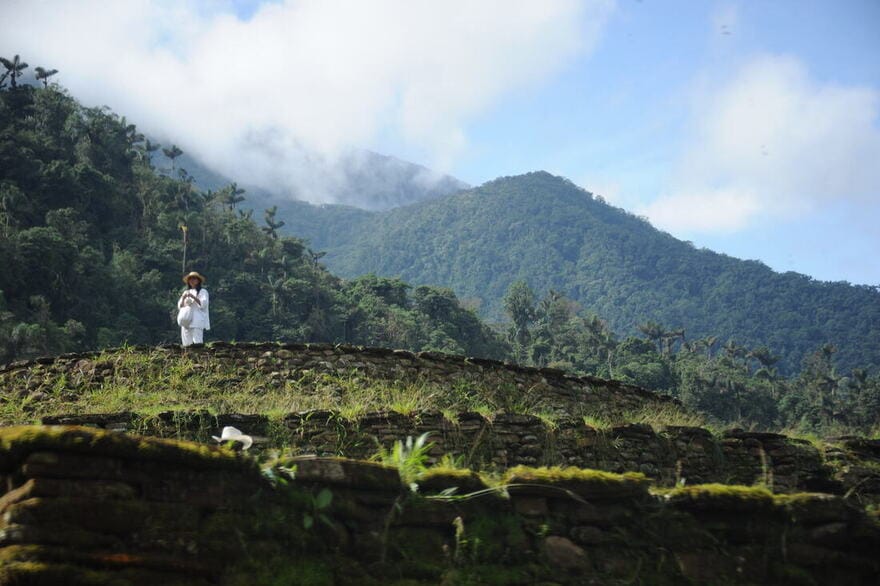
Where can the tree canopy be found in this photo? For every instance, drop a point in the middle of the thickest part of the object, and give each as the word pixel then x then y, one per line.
pixel 93 241
pixel 549 233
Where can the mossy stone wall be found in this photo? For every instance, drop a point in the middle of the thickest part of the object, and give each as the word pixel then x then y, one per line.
pixel 85 506
pixel 671 456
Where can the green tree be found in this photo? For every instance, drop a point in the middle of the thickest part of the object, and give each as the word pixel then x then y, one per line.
pixel 654 332
pixel 272 225
pixel 147 153
pixel 172 154
pixel 519 303
pixel 232 195
pixel 14 68
pixel 43 75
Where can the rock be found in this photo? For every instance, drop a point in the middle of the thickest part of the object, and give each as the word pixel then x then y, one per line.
pixel 588 535
pixel 530 506
pixel 350 473
pixel 562 552
pixel 830 534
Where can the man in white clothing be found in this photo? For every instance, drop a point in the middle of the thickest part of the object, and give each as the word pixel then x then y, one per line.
pixel 195 298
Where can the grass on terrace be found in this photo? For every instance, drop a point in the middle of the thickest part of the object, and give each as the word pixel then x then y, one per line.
pixel 148 383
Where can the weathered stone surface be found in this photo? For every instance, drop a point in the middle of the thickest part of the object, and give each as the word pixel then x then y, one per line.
pixel 553 389
pixel 116 515
pixel 562 552
pixel 349 473
pixel 670 457
pixel 530 506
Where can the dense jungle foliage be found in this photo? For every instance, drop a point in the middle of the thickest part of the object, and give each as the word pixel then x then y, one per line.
pixel 92 251
pixel 554 235
pixel 730 383
pixel 93 243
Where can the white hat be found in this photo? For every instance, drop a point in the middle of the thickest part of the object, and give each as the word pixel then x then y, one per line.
pixel 229 433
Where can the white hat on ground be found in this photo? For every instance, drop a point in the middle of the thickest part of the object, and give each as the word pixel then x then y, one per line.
pixel 230 433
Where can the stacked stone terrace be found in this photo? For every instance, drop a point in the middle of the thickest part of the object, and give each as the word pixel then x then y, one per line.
pixel 547 388
pixel 629 504
pixel 83 506
pixel 670 456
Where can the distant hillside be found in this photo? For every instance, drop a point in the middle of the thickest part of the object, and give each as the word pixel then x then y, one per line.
pixel 92 252
pixel 361 179
pixel 554 235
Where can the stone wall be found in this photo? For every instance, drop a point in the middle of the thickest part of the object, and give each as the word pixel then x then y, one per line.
pixel 672 456
pixel 498 441
pixel 85 506
pixel 545 389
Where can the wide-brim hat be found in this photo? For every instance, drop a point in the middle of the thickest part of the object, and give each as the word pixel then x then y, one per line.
pixel 187 277
pixel 230 433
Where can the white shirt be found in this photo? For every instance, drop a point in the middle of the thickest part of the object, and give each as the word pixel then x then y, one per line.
pixel 201 318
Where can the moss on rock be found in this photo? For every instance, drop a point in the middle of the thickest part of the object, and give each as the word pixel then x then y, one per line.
pixel 18 441
pixel 587 484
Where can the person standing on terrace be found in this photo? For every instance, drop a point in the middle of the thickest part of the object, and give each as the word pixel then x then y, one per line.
pixel 192 316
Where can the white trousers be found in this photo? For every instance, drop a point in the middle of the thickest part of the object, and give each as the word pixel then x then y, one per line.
pixel 192 335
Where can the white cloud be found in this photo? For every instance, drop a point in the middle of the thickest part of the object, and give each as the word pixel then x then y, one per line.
pixel 723 210
pixel 773 141
pixel 300 76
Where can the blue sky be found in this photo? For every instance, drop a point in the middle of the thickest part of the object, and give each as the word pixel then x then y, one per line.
pixel 616 120
pixel 751 128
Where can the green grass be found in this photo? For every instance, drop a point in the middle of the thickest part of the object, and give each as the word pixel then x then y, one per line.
pixel 658 417
pixel 714 491
pixel 556 474
pixel 410 457
pixel 149 383
pixel 600 422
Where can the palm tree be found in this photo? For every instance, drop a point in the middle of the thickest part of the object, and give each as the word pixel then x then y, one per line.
pixel 10 195
pixel 172 154
pixel 44 75
pixel 148 149
pixel 669 338
pixel 232 195
pixel 654 332
pixel 272 226
pixel 131 132
pixel 709 342
pixel 316 256
pixel 14 68
pixel 275 289
pixel 764 356
pixel 734 350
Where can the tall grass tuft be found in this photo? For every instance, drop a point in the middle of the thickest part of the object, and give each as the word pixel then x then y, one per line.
pixel 410 457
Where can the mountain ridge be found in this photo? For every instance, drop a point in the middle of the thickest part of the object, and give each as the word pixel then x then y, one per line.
pixel 554 235
pixel 359 178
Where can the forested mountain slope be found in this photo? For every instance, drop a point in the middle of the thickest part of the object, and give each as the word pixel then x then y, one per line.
pixel 545 230
pixel 93 243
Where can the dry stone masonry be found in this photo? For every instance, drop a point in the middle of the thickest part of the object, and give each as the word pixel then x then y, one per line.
pixel 91 499
pixel 85 506
pixel 545 388
pixel 669 456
